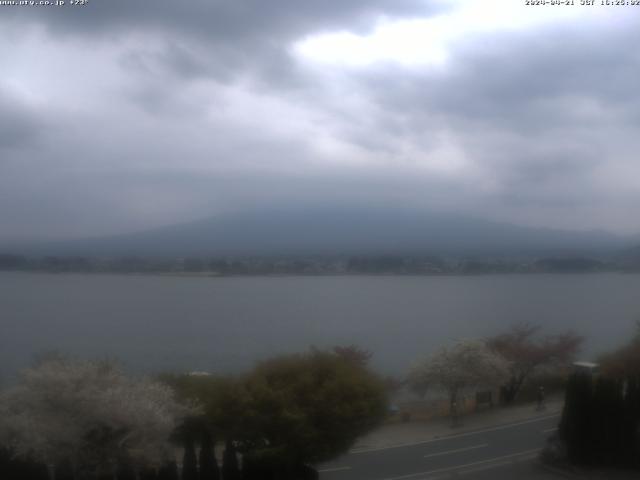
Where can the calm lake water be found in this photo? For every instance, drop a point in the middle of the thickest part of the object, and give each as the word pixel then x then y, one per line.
pixel 154 323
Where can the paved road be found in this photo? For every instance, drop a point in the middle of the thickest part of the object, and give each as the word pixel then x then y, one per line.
pixel 498 452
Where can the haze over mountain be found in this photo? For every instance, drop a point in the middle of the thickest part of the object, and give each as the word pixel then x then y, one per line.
pixel 335 231
pixel 494 108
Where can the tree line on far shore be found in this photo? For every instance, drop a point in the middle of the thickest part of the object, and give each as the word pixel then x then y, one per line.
pixel 307 265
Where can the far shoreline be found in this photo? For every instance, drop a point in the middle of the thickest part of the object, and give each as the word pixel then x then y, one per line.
pixel 205 275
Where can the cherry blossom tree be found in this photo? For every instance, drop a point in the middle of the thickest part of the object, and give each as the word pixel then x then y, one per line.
pixel 88 414
pixel 462 366
pixel 527 352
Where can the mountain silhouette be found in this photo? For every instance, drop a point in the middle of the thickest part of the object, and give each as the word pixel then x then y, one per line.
pixel 336 231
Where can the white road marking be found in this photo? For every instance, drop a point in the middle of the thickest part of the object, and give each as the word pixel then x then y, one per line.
pixel 457 450
pixel 337 469
pixel 458 435
pixel 466 465
pixel 549 430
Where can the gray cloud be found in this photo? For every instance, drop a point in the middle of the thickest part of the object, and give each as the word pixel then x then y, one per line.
pixel 539 113
pixel 218 19
pixel 538 78
pixel 192 108
pixel 238 35
pixel 19 123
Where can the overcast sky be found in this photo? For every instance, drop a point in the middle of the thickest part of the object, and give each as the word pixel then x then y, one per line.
pixel 128 114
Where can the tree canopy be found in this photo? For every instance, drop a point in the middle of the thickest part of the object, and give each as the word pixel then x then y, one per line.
pixel 88 414
pixel 526 351
pixel 292 409
pixel 625 361
pixel 463 365
pixel 313 405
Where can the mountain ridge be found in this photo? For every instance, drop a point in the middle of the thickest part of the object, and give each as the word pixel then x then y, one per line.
pixel 333 231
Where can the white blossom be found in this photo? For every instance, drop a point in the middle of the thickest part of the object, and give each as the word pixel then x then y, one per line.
pixel 88 413
pixel 464 365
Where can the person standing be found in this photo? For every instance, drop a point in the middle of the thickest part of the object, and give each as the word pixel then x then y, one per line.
pixel 541 402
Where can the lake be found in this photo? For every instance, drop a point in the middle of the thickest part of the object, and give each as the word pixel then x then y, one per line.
pixel 154 323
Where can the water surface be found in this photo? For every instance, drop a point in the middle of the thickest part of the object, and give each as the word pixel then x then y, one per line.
pixel 156 323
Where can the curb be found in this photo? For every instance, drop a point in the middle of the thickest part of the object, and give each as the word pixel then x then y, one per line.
pixel 563 472
pixel 582 473
pixel 549 414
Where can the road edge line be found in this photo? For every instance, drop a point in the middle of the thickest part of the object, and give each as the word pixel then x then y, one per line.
pixel 455 435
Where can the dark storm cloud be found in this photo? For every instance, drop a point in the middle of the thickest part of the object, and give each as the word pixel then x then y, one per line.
pixel 542 107
pixel 199 107
pixel 238 34
pixel 220 19
pixel 19 124
pixel 526 83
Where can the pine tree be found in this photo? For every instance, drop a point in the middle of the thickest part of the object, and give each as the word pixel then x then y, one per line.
pixel 147 473
pixel 169 471
pixel 230 469
pixel 254 467
pixel 189 462
pixel 631 433
pixel 125 470
pixel 64 470
pixel 607 414
pixel 575 424
pixel 26 468
pixel 208 465
pixel 7 465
